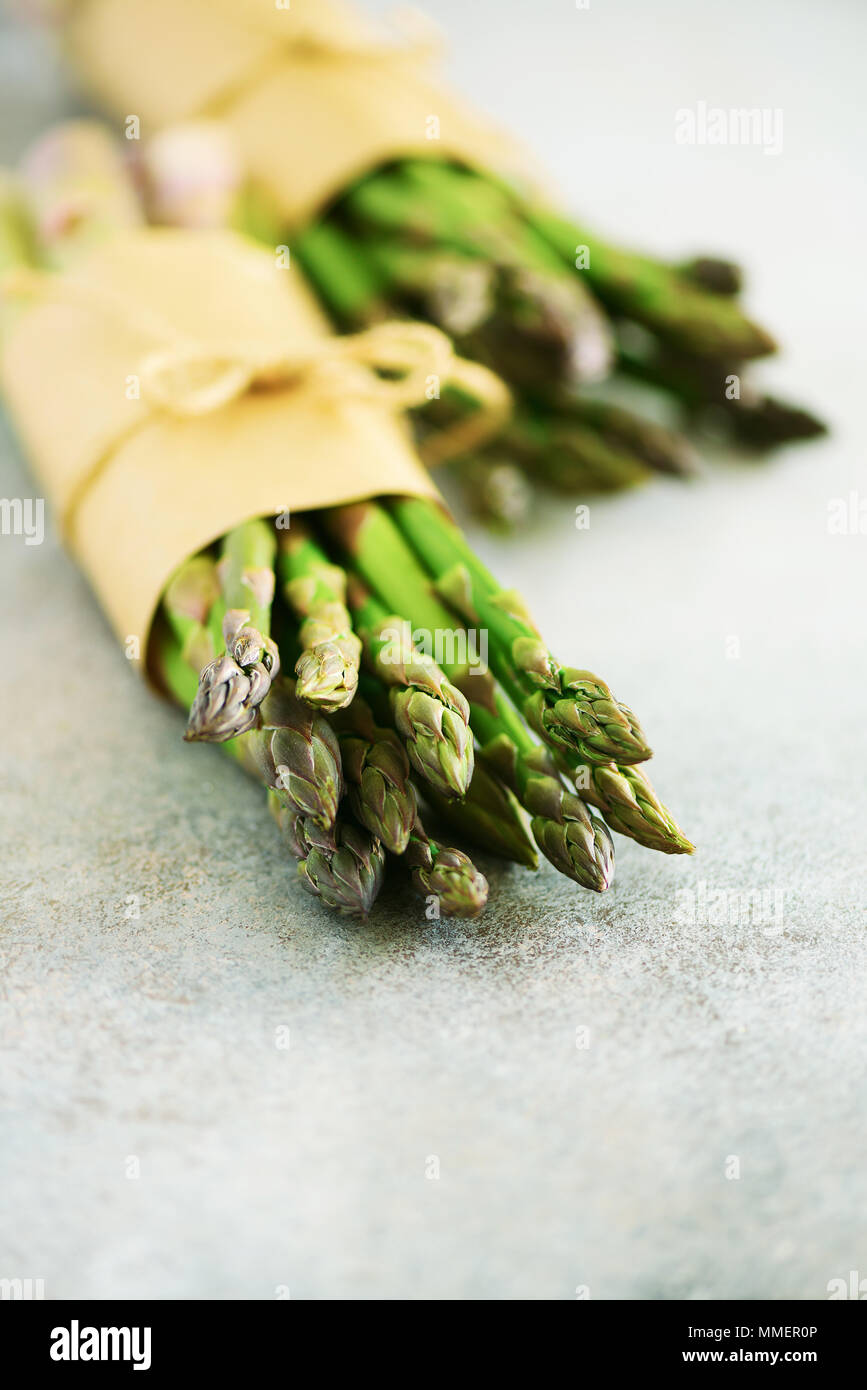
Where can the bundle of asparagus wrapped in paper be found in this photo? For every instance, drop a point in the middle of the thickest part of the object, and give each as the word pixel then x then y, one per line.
pixel 545 301
pixel 544 333
pixel 547 304
pixel 392 720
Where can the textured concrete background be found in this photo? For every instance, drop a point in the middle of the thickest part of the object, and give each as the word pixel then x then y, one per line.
pixel 153 1037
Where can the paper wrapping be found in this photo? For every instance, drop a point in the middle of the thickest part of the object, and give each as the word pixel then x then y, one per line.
pixel 138 489
pixel 313 96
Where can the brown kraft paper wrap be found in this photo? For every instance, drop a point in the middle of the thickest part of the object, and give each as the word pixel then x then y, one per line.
pixel 312 94
pixel 181 383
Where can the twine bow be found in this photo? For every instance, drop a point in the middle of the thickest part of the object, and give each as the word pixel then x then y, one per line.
pixel 399 366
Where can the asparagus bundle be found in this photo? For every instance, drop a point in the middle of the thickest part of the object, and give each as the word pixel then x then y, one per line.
pixel 378 607
pixel 540 330
pixel 384 229
pixel 498 272
pixel 465 251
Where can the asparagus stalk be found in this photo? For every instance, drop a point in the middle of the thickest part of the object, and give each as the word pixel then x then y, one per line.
pixel 630 806
pixel 296 755
pixel 690 308
pixel 445 873
pixel 295 752
pixel 574 840
pixel 339 863
pixel 477 209
pixel 430 713
pixel 233 686
pixel 541 323
pixel 564 830
pixel 675 307
pixel 290 748
pixel 624 795
pixel 327 668
pixel 651 445
pixel 347 280
pixel 560 452
pixel 489 815
pixel 376 768
pixel 757 420
pixel 712 274
pixel 570 708
pixel 190 595
pixel 344 866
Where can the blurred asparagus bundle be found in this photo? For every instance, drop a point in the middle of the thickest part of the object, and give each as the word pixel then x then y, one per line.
pixel 382 608
pixel 545 303
pixel 550 306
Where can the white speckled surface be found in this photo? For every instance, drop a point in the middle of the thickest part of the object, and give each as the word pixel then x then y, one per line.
pixel 153 1037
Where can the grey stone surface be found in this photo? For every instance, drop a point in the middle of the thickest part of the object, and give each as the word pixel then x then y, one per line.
pixel 152 943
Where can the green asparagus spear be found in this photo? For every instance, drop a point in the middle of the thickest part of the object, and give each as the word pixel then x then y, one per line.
pixel 676 306
pixel 489 815
pixel 630 806
pixel 430 714
pixel 343 866
pixel 328 666
pixel 376 768
pixel 624 795
pixel 653 446
pixel 713 274
pixel 233 686
pixel 447 874
pixel 538 319
pixel 295 752
pixel 574 840
pixel 339 862
pixel 189 597
pixel 570 708
pixel 713 390
pixel 559 451
pixel 673 306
